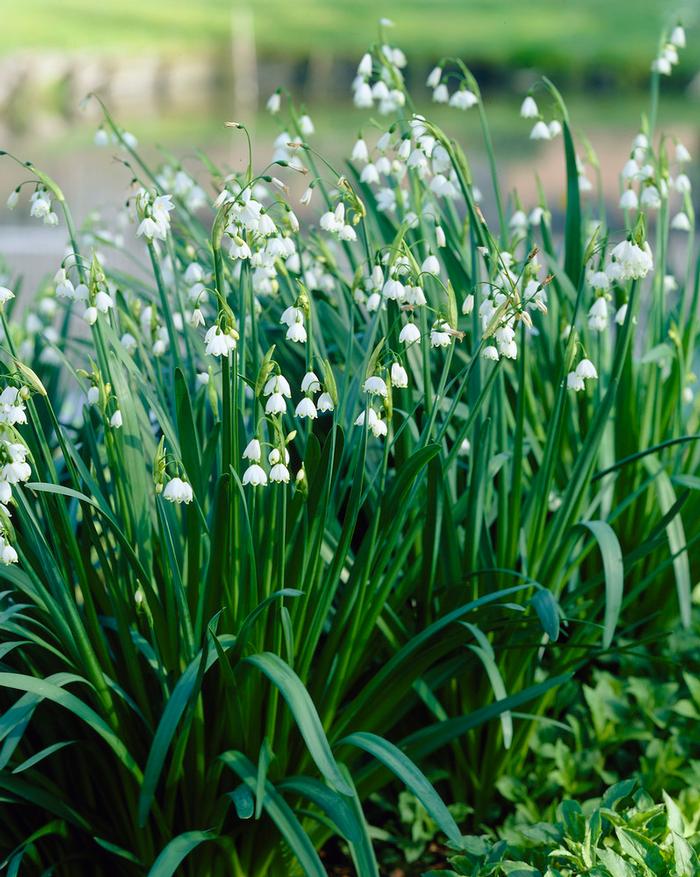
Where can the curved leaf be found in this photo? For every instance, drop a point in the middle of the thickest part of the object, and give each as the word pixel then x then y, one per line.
pixel 72 703
pixel 243 801
pixel 39 756
pixel 614 574
pixel 346 815
pixel 299 701
pixel 499 689
pixel 413 778
pixel 676 538
pixel 547 610
pixel 175 707
pixel 280 813
pixel 179 847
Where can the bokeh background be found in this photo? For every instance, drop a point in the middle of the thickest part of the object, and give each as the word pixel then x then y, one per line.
pixel 173 71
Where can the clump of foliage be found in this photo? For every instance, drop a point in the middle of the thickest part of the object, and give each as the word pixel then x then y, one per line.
pixel 296 512
pixel 623 834
pixel 636 718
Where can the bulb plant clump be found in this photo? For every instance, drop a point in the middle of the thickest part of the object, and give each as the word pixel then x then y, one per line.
pixel 304 497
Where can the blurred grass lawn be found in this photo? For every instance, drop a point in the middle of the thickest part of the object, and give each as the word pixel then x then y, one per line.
pixel 551 34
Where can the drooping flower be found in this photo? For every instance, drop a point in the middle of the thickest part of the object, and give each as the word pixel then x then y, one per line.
pixel 586 370
pixel 399 376
pixel 178 491
pixel 103 301
pixel 682 154
pixel 598 315
pixel 276 404
pixel 217 342
pixel 254 475
pixel 253 451
pixel 310 383
pixel 296 333
pixel 90 315
pixel 540 131
pixel 291 315
pixel 681 222
pixel 434 77
pixel 463 99
pixel 635 262
pixel 375 386
pixel 528 108
pixel 440 94
pixel 325 403
pixel 440 334
pixel 306 408
pixel 375 423
pixel 651 198
pixel 430 265
pixel 277 384
pixel 409 334
pixel 677 37
pixel 8 554
pixel 279 474
pixel 394 290
pixel 575 382
pixel 628 200
pixel 360 153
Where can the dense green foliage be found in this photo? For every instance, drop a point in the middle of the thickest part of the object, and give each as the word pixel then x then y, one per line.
pixel 626 833
pixel 320 511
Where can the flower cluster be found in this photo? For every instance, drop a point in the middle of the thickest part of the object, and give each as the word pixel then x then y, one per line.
pixel 278 460
pixel 462 99
pixel 397 289
pixel 153 213
pixel 379 80
pixel 667 58
pixel 14 468
pixel 584 371
pixel 541 130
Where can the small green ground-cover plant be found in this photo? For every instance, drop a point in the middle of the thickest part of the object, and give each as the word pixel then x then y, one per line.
pixel 635 718
pixel 292 511
pixel 626 833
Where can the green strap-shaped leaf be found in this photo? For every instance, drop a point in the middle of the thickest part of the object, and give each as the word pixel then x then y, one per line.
pixel 346 814
pixel 72 703
pixel 335 806
pixel 179 847
pixel 499 689
pixel 180 697
pixel 614 570
pixel 280 813
pixel 305 715
pixel 433 737
pixel 412 777
pixel 547 610
pixel 39 756
pixel 405 655
pixel 243 801
pixel 676 537
pixel 264 759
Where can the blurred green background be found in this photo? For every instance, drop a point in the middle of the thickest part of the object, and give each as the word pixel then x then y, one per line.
pixel 571 36
pixel 173 71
